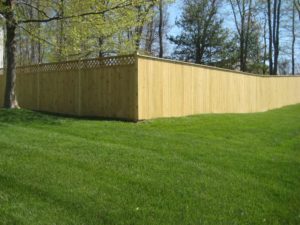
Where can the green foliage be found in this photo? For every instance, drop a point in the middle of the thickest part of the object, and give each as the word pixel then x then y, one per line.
pixel 207 169
pixel 255 62
pixel 110 32
pixel 203 38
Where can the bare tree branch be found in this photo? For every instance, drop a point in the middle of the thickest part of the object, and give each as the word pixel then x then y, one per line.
pixel 235 18
pixel 35 8
pixel 37 37
pixel 297 6
pixel 55 18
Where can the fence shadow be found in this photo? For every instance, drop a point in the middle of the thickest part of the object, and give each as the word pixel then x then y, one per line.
pixel 22 116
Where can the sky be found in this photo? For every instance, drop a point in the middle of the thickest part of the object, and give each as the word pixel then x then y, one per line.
pixel 174 13
pixel 175 10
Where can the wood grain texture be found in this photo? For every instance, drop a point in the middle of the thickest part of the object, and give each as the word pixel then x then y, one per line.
pixel 2 83
pixel 148 88
pixel 108 92
pixel 170 89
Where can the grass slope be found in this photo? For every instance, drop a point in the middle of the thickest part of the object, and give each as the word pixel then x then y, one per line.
pixel 207 169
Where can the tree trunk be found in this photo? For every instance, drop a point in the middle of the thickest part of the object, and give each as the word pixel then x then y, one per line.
pixel 270 38
pixel 149 37
pixel 39 47
pixel 100 43
pixel 274 23
pixel 276 37
pixel 297 6
pixel 243 38
pixel 61 32
pixel 32 43
pixel 242 51
pixel 10 100
pixel 265 45
pixel 294 40
pixel 160 29
pixel 247 34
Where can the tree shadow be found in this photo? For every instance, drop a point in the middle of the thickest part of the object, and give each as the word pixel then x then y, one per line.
pixel 21 116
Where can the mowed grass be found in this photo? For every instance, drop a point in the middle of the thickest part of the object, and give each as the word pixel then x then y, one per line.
pixel 206 169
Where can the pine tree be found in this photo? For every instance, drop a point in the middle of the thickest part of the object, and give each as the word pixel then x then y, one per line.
pixel 203 38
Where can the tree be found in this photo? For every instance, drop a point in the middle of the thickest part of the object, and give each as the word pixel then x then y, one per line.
pixel 274 38
pixel 242 11
pixel 61 39
pixel 143 14
pixel 256 49
pixel 297 6
pixel 155 30
pixel 12 12
pixel 160 29
pixel 150 35
pixel 202 37
pixel 294 37
pixel 284 67
pixel 265 21
pixel 8 11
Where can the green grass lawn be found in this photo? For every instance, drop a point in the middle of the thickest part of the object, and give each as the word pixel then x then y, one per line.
pixel 207 169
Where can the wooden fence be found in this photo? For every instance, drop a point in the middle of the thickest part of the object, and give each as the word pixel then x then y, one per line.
pixel 104 87
pixel 171 88
pixel 1 88
pixel 136 87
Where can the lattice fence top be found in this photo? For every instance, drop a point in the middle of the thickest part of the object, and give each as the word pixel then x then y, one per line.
pixel 80 64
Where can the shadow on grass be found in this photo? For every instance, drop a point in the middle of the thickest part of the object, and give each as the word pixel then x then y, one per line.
pixel 22 116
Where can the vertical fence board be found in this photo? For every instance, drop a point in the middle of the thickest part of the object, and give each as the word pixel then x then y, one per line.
pixel 104 87
pixel 186 89
pixel 2 84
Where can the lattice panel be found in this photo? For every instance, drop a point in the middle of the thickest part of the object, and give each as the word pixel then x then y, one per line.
pixel 82 64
